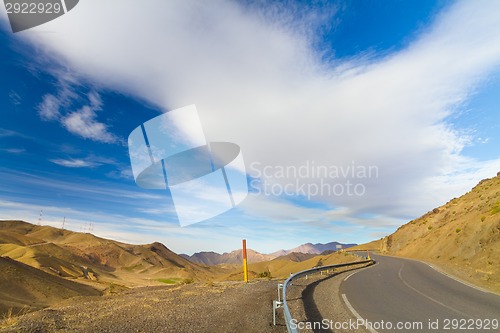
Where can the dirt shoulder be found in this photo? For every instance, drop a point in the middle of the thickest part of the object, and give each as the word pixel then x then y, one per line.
pixel 218 307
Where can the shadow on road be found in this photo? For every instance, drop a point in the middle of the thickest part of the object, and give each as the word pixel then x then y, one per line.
pixel 311 309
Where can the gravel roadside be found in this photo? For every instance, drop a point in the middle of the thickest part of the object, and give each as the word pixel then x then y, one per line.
pixel 219 307
pixel 215 307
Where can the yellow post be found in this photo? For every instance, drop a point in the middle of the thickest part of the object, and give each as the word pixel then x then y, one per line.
pixel 245 267
pixel 368 253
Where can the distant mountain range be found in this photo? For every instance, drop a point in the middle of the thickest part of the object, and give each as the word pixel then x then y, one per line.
pixel 310 248
pixel 233 257
pixel 236 257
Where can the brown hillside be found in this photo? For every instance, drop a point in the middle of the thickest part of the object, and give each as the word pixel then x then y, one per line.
pixel 373 245
pixel 462 236
pixel 85 256
pixel 24 288
pixel 297 256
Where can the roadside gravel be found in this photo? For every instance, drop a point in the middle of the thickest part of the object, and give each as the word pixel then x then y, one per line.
pixel 219 307
pixel 215 307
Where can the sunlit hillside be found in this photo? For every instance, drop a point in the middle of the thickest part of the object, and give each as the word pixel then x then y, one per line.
pixel 462 236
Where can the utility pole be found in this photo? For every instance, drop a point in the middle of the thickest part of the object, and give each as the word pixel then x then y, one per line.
pixel 64 221
pixel 40 217
pixel 245 266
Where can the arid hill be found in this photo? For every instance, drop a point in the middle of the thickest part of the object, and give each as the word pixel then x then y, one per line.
pixel 373 245
pixel 299 256
pixel 462 236
pixel 24 288
pixel 81 255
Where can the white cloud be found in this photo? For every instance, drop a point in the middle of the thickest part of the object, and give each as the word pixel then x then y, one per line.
pixel 276 210
pixel 89 161
pixel 74 163
pixel 14 150
pixel 261 84
pixel 82 122
pixel 75 187
pixel 8 133
pixel 48 109
pixel 14 97
pixel 121 173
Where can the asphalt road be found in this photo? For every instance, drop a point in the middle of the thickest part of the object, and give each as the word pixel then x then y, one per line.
pixel 406 292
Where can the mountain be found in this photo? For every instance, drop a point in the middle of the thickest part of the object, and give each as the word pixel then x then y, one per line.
pixel 233 257
pixel 84 256
pixel 310 248
pixel 299 257
pixel 204 258
pixel 462 236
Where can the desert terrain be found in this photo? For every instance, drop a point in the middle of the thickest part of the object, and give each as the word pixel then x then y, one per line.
pixel 55 280
pixel 461 238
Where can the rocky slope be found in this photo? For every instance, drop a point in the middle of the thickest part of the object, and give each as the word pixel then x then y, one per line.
pixel 462 236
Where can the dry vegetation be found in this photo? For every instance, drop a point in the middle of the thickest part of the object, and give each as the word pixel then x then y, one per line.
pixel 462 236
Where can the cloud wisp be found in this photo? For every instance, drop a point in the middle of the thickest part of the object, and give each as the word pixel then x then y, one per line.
pixel 74 163
pixel 81 122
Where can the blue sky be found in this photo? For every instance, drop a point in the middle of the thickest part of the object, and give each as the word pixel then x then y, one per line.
pixel 408 87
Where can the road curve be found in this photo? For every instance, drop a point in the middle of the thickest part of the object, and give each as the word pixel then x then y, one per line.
pixel 406 292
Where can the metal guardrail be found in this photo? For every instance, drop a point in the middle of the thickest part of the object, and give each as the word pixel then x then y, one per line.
pixel 282 303
pixel 361 250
